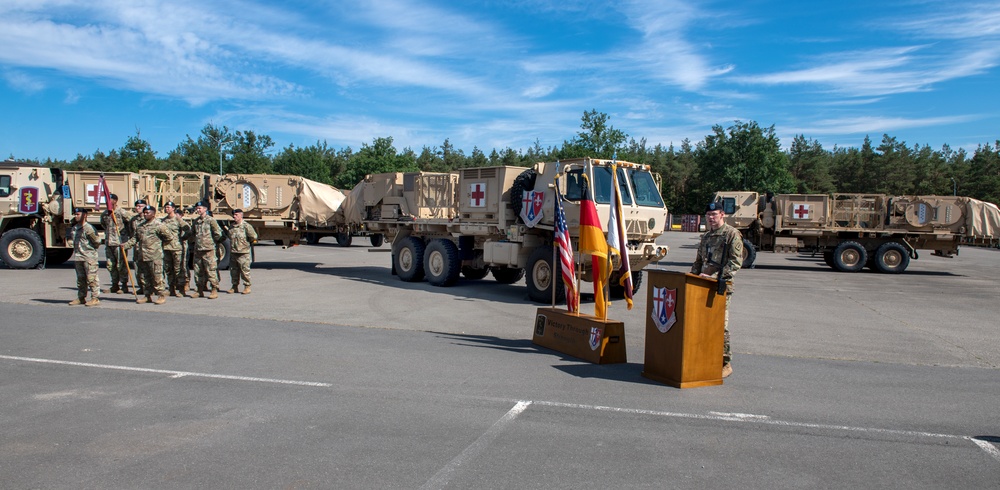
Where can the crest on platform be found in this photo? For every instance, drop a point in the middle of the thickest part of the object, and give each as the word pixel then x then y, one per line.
pixel 664 302
pixel 531 207
pixel 596 334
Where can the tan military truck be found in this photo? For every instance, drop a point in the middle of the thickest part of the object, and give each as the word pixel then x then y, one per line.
pixel 470 221
pixel 853 231
pixel 36 207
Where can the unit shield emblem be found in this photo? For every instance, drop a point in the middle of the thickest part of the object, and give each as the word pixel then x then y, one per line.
pixel 663 315
pixel 531 208
pixel 28 202
pixel 595 337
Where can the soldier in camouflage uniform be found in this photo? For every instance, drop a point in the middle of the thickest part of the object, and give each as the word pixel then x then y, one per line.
pixel 133 224
pixel 148 242
pixel 115 222
pixel 173 252
pixel 205 234
pixel 85 242
pixel 241 237
pixel 721 246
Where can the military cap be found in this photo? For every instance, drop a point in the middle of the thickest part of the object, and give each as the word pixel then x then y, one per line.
pixel 140 201
pixel 201 204
pixel 81 210
pixel 149 208
pixel 113 196
pixel 715 206
pixel 171 204
pixel 237 211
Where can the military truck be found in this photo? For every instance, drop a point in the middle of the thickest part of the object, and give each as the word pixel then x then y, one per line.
pixel 36 208
pixel 853 231
pixel 469 221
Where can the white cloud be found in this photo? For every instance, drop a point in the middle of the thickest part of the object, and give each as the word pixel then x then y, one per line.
pixel 23 82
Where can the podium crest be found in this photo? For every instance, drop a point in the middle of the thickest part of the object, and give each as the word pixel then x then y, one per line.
pixel 663 314
pixel 595 337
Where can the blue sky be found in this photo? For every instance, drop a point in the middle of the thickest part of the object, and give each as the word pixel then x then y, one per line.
pixel 78 76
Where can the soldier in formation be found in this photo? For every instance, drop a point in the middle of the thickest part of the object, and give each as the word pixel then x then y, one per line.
pixel 206 234
pixel 134 221
pixel 173 250
pixel 721 247
pixel 241 237
pixel 148 242
pixel 115 222
pixel 85 242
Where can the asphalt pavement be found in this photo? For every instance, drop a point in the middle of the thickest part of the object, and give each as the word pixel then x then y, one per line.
pixel 335 374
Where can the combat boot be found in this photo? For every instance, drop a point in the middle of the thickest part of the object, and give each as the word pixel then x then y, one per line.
pixel 727 369
pixel 232 290
pixel 143 300
pixel 93 301
pixel 114 289
pixel 78 301
pixel 160 300
pixel 215 293
pixel 246 290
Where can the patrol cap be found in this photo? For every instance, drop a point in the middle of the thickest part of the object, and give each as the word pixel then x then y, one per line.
pixel 113 196
pixel 715 206
pixel 201 204
pixel 140 201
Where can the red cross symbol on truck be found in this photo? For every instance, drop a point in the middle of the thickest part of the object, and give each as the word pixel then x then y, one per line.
pixel 801 211
pixel 478 195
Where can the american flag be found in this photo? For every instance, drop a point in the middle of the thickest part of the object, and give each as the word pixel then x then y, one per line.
pixel 566 256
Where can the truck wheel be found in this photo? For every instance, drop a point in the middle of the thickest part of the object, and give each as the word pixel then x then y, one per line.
pixel 312 238
pixel 891 258
pixel 442 263
pixel 617 290
pixel 409 260
pixel 507 275
pixel 523 182
pixel 475 273
pixel 541 276
pixel 344 239
pixel 21 248
pixel 223 252
pixel 749 254
pixel 377 239
pixel 57 256
pixel 849 256
pixel 828 259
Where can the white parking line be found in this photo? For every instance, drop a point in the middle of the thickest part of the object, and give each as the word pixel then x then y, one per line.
pixel 173 374
pixel 986 446
pixel 440 479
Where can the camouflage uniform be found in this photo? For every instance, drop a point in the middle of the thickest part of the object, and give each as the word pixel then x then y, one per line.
pixel 710 258
pixel 85 242
pixel 148 241
pixel 173 253
pixel 205 234
pixel 241 236
pixel 134 222
pixel 114 255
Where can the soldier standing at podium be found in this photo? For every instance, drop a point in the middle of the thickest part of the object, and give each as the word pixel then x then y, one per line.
pixel 721 247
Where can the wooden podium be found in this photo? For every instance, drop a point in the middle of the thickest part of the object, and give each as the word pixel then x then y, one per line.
pixel 685 319
pixel 576 334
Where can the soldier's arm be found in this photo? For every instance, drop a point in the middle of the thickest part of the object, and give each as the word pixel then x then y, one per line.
pixel 251 233
pixel 735 259
pixel 698 262
pixel 130 242
pixel 217 232
pixel 95 239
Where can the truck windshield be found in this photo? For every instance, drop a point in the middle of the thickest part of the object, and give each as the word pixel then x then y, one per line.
pixel 644 188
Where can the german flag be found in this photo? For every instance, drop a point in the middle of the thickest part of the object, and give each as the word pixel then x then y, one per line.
pixel 593 242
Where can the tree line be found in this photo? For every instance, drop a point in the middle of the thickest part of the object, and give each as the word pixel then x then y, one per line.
pixel 743 156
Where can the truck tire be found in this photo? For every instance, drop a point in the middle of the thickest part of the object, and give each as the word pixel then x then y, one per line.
pixel 312 238
pixel 57 256
pixel 226 247
pixel 21 248
pixel 344 239
pixel 617 290
pixel 540 277
pixel 442 263
pixel 377 239
pixel 409 260
pixel 507 275
pixel 749 254
pixel 891 258
pixel 523 182
pixel 475 273
pixel 849 256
